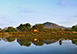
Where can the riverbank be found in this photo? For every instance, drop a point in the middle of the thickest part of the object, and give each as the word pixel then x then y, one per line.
pixel 43 35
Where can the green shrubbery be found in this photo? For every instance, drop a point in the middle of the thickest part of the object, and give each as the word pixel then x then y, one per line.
pixel 74 28
pixel 27 28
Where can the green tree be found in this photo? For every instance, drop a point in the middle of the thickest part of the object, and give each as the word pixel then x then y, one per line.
pixel 10 29
pixel 0 30
pixel 40 26
pixel 74 28
pixel 27 25
pixel 24 27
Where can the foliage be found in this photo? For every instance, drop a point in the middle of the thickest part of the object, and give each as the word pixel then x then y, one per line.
pixel 26 38
pixel 74 41
pixel 0 29
pixel 39 26
pixel 10 29
pixel 67 29
pixel 27 25
pixel 24 27
pixel 74 28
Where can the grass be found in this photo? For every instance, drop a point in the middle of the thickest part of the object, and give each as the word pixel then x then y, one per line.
pixel 43 35
pixel 25 38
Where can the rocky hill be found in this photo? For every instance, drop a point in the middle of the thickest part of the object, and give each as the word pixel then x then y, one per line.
pixel 49 25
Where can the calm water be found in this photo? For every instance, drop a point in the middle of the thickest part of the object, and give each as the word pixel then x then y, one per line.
pixel 21 46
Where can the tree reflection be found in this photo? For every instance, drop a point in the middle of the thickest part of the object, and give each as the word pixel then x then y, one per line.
pixel 60 42
pixel 4 38
pixel 0 39
pixel 24 42
pixel 49 41
pixel 38 43
pixel 74 41
pixel 36 40
pixel 9 39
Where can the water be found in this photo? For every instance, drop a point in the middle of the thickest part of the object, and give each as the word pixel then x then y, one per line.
pixel 22 46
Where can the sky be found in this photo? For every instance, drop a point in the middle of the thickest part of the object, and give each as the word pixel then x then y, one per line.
pixel 15 12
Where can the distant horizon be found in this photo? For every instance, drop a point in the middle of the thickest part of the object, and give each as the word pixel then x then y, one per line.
pixel 34 24
pixel 15 12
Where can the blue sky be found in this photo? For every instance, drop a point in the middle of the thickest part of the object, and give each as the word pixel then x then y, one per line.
pixel 15 12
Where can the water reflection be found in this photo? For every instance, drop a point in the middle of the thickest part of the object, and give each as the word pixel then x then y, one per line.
pixel 36 45
pixel 24 41
pixel 0 39
pixel 49 41
pixel 37 42
pixel 74 41
pixel 60 42
pixel 8 39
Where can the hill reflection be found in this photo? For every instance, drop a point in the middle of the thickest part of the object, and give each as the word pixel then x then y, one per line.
pixel 26 41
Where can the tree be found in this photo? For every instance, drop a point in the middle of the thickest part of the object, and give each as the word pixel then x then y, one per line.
pixel 67 29
pixel 0 30
pixel 24 27
pixel 27 25
pixel 40 26
pixel 74 28
pixel 10 29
